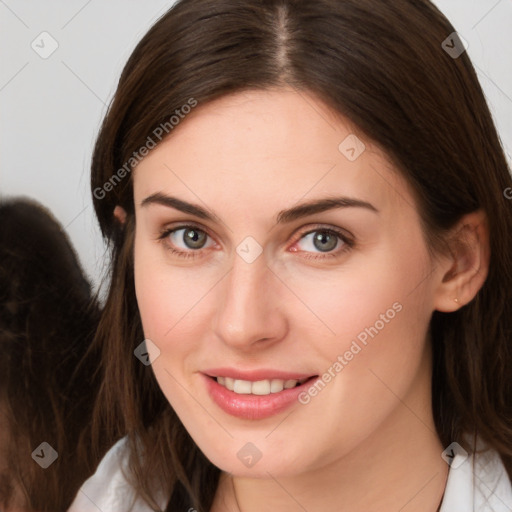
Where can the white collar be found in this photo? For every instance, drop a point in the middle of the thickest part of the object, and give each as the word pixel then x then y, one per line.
pixel 477 483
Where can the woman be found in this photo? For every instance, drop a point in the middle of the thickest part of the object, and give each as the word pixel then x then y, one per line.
pixel 310 305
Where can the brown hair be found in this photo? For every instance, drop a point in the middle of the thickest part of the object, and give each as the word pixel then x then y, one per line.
pixel 379 64
pixel 48 316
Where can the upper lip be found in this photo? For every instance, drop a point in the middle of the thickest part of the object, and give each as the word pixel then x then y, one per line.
pixel 257 374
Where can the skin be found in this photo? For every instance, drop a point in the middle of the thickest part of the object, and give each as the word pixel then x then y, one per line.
pixel 367 441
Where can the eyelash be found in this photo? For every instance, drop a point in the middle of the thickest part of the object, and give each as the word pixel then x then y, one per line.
pixel 348 243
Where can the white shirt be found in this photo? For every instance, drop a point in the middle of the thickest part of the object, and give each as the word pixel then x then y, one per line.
pixel 486 489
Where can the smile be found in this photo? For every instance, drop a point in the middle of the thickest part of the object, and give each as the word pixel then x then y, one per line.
pixel 258 398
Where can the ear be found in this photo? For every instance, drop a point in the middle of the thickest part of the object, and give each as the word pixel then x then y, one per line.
pixel 467 266
pixel 120 214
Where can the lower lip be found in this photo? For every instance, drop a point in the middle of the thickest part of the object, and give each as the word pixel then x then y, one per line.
pixel 253 407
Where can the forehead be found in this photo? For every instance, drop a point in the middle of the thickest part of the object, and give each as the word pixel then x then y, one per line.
pixel 276 146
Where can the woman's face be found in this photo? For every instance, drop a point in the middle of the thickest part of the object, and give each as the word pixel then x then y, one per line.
pixel 252 285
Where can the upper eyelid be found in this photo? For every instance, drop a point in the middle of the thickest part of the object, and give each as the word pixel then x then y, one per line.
pixel 323 227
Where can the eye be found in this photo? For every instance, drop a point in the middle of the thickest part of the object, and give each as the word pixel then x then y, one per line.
pixel 324 242
pixel 185 241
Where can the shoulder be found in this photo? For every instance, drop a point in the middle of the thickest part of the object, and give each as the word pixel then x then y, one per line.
pixel 108 488
pixel 478 482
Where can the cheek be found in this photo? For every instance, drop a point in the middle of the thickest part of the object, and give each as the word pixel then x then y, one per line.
pixel 368 299
pixel 168 300
pixel 375 319
pixel 165 295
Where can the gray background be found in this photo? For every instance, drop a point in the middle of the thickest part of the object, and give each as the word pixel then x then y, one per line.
pixel 51 108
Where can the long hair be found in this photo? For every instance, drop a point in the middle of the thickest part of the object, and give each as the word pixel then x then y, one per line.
pixel 383 66
pixel 48 316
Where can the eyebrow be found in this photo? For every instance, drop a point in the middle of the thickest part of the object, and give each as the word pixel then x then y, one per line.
pixel 284 216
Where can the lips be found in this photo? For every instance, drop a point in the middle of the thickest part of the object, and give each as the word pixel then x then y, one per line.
pixel 255 394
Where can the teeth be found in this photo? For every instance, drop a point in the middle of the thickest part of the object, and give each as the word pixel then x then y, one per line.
pixel 260 387
pixel 229 383
pixel 242 387
pixel 276 385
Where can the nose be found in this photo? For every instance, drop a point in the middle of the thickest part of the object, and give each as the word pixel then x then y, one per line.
pixel 250 310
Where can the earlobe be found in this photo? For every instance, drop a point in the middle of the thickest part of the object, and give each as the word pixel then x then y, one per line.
pixel 120 214
pixel 466 269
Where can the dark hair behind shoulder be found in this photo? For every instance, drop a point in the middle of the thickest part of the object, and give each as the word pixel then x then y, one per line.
pixel 48 317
